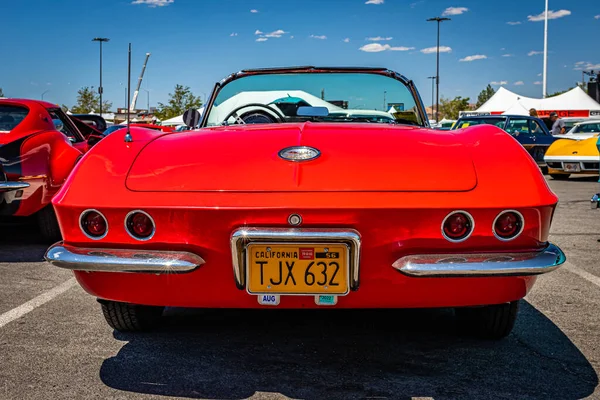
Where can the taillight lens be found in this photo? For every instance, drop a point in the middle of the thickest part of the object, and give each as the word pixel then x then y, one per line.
pixel 139 225
pixel 457 226
pixel 93 224
pixel 508 225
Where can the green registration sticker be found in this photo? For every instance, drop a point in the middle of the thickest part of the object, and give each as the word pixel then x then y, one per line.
pixel 326 300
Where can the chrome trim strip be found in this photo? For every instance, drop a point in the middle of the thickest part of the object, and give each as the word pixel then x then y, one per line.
pixel 84 212
pixel 10 186
pixel 121 260
pixel 129 214
pixel 484 264
pixel 242 236
pixel 518 233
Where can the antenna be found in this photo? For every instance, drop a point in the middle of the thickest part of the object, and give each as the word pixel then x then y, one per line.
pixel 128 137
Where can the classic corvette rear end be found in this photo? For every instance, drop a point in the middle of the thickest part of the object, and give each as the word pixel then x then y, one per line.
pixel 286 208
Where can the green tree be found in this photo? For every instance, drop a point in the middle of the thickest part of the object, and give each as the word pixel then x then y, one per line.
pixel 179 101
pixel 581 85
pixel 485 95
pixel 450 108
pixel 89 101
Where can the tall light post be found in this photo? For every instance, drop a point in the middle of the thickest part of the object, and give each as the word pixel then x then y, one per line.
pixel 545 50
pixel 45 93
pixel 432 90
pixel 437 74
pixel 100 40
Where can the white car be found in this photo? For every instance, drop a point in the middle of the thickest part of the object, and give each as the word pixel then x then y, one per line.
pixel 582 130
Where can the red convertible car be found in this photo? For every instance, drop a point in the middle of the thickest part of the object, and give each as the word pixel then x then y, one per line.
pixel 39 146
pixel 300 190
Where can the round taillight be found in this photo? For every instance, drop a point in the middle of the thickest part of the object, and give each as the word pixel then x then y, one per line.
pixel 457 226
pixel 139 225
pixel 508 225
pixel 93 224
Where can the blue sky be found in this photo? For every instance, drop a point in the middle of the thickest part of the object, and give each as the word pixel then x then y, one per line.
pixel 197 42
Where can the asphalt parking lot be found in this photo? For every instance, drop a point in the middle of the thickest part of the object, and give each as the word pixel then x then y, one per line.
pixel 55 344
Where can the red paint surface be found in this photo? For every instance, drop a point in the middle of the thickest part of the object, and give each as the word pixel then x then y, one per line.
pixel 178 187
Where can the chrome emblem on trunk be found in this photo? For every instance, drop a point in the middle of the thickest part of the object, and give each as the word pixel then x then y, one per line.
pixel 299 153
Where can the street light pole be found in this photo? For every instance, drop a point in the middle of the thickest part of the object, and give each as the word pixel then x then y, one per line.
pixel 545 50
pixel 437 74
pixel 45 93
pixel 432 91
pixel 100 40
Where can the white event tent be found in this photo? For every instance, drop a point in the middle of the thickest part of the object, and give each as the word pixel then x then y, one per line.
pixel 574 103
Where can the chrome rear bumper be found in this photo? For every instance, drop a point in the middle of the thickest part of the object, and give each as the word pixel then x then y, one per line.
pixel 477 265
pixel 118 260
pixel 10 186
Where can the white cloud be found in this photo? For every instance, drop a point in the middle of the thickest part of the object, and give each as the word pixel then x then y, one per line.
pixel 262 39
pixel 508 55
pixel 374 2
pixel 347 40
pixel 537 83
pixel 581 62
pixel 519 83
pixel 499 83
pixel 473 58
pixel 539 74
pixel 551 15
pixel 433 50
pixel 534 53
pixel 153 3
pixel 378 47
pixel 233 34
pixel 320 37
pixel 502 49
pixel 379 38
pixel 275 34
pixel 514 22
pixel 597 16
pixel 258 32
pixel 253 11
pixel 592 66
pixel 291 37
pixel 454 11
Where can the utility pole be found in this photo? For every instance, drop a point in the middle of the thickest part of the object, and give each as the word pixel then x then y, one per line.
pixel 100 40
pixel 384 93
pixel 437 75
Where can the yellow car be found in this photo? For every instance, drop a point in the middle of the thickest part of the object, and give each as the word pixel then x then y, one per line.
pixel 575 154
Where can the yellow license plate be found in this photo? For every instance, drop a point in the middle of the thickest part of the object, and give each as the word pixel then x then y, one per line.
pixel 297 269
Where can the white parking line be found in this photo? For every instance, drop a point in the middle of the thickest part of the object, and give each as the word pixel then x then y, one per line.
pixel 36 302
pixel 582 273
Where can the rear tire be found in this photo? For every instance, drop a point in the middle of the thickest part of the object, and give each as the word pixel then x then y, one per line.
pixel 125 317
pixel 560 177
pixel 489 322
pixel 48 224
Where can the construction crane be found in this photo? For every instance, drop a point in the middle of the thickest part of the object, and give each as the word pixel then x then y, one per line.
pixel 137 90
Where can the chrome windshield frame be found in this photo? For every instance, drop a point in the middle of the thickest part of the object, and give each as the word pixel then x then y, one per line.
pixel 312 69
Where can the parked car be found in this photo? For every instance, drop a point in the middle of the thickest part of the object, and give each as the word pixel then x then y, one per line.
pixel 531 132
pixel 292 207
pixel 39 146
pixel 96 121
pixel 575 152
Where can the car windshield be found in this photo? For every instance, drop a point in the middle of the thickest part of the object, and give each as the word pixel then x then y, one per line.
pixel 586 128
pixel 466 122
pixel 11 116
pixel 314 96
pixel 113 128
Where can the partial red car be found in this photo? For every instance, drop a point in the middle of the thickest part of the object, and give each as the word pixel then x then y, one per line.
pixel 300 189
pixel 39 146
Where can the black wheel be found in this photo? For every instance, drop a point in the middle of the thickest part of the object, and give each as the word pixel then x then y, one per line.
pixel 560 177
pixel 544 170
pixel 48 224
pixel 489 322
pixel 126 317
